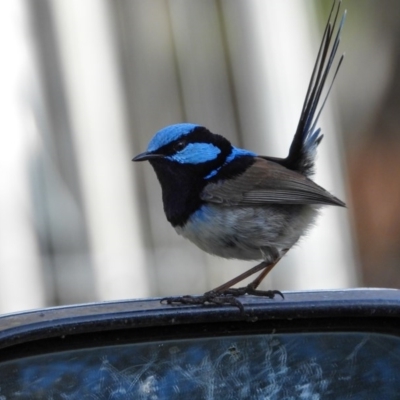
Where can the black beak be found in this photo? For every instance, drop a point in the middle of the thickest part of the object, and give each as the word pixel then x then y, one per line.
pixel 146 156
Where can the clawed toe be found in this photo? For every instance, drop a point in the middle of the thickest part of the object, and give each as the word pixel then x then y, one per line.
pixel 249 289
pixel 209 298
pixel 263 293
pixel 185 300
pixel 220 298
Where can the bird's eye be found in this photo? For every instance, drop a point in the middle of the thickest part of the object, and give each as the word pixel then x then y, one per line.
pixel 180 145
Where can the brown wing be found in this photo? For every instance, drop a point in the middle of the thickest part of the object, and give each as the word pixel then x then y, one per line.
pixel 266 182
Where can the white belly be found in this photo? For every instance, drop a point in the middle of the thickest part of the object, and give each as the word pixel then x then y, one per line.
pixel 247 233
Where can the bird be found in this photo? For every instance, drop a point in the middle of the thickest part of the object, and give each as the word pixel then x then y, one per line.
pixel 236 204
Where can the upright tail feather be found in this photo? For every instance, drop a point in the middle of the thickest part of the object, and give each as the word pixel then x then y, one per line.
pixel 307 137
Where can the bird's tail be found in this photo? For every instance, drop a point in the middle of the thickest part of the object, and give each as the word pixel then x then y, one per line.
pixel 307 137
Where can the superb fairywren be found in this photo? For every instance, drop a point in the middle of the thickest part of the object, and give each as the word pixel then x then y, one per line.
pixel 234 203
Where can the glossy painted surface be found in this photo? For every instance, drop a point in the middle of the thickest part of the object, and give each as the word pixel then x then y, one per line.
pixel 312 345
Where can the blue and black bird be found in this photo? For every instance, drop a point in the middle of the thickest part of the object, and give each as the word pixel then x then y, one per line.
pixel 234 203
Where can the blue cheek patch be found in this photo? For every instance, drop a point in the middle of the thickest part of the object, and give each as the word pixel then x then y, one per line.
pixel 196 153
pixel 169 134
pixel 235 153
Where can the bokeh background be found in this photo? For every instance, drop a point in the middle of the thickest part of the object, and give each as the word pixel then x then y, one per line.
pixel 85 85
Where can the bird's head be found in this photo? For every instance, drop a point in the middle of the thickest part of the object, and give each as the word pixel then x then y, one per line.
pixel 186 157
pixel 188 149
pixel 185 144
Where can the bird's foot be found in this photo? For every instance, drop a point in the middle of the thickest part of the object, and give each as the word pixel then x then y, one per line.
pixel 208 298
pixel 249 289
pixel 224 297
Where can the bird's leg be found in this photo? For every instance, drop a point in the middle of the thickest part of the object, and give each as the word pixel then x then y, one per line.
pixel 259 267
pixel 265 267
pixel 254 285
pixel 226 295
